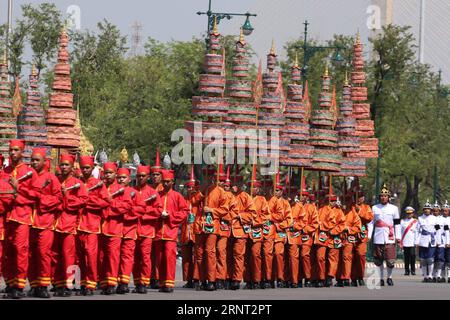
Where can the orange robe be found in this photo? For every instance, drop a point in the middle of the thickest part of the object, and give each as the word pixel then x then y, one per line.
pixel 359 258
pixel 352 230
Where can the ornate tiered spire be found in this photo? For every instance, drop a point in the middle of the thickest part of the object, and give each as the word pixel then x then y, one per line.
pixel 61 116
pixel 32 126
pixel 8 122
pixel 323 136
pixel 295 134
pixel 361 108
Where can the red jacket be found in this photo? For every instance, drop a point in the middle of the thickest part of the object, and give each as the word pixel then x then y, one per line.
pixel 177 208
pixel 26 197
pixel 114 214
pixel 73 201
pixel 98 200
pixel 6 202
pixel 151 211
pixel 50 199
pixel 131 218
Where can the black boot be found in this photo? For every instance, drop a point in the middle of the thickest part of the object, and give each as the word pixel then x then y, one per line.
pixel 67 292
pixel 109 290
pixel 32 293
pixel 300 284
pixel 406 273
pixel 189 284
pixel 59 292
pixel 210 286
pixel 320 284
pixel 249 286
pixel 122 288
pixel 262 285
pixel 390 282
pixel 166 290
pixel 235 285
pixel 204 285
pixel 42 292
pixel 346 283
pixel 339 284
pixel 381 282
pixel 82 291
pixel 220 285
pixel 329 282
pixel 294 285
pixel 354 283
pixel 308 283
pixel 361 282
pixel 272 284
pixel 154 284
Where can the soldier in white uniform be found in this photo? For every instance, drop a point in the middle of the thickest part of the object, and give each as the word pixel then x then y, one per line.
pixel 439 258
pixel 446 216
pixel 408 241
pixel 386 232
pixel 426 241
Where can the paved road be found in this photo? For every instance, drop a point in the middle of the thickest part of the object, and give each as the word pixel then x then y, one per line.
pixel 404 288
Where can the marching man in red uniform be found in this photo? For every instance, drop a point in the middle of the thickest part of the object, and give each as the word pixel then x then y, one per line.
pixel 89 226
pixel 130 224
pixel 146 230
pixel 48 189
pixel 18 220
pixel 156 173
pixel 175 210
pixel 112 228
pixel 64 249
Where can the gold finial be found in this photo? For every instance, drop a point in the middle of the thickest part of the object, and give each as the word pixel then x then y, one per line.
pixel 326 70
pixel 358 38
pixel 124 155
pixel 272 49
pixel 241 36
pixel 346 79
pixel 33 70
pixel 296 61
pixel 215 30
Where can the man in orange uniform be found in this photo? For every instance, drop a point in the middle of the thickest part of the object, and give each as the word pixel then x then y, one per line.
pixel 224 247
pixel 257 236
pixel 241 222
pixel 175 210
pixel 18 220
pixel 331 225
pixel 64 247
pixel 130 224
pixel 112 229
pixel 89 226
pixel 156 173
pixel 309 222
pixel 216 206
pixel 146 230
pixel 293 243
pixel 351 231
pixel 194 199
pixel 48 189
pixel 281 218
pixel 365 214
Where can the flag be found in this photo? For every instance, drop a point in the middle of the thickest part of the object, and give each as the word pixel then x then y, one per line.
pixel 17 99
pixel 223 73
pixel 280 92
pixel 307 102
pixel 257 86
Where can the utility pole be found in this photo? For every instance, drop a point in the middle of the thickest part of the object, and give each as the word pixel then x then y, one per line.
pixel 422 31
pixel 136 39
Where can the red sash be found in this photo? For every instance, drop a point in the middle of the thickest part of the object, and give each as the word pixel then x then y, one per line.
pixel 382 224
pixel 407 229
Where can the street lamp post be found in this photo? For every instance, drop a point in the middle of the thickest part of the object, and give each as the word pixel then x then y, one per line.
pixel 308 51
pixel 218 16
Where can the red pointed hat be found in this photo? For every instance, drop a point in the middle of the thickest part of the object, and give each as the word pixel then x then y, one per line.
pixel 143 169
pixel 227 177
pixel 304 191
pixel 86 161
pixel 17 143
pixel 123 172
pixel 168 175
pixel 192 182
pixel 221 173
pixel 112 166
pixel 254 181
pixel 278 184
pixel 67 158
pixel 157 167
pixel 39 152
pixel 331 196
